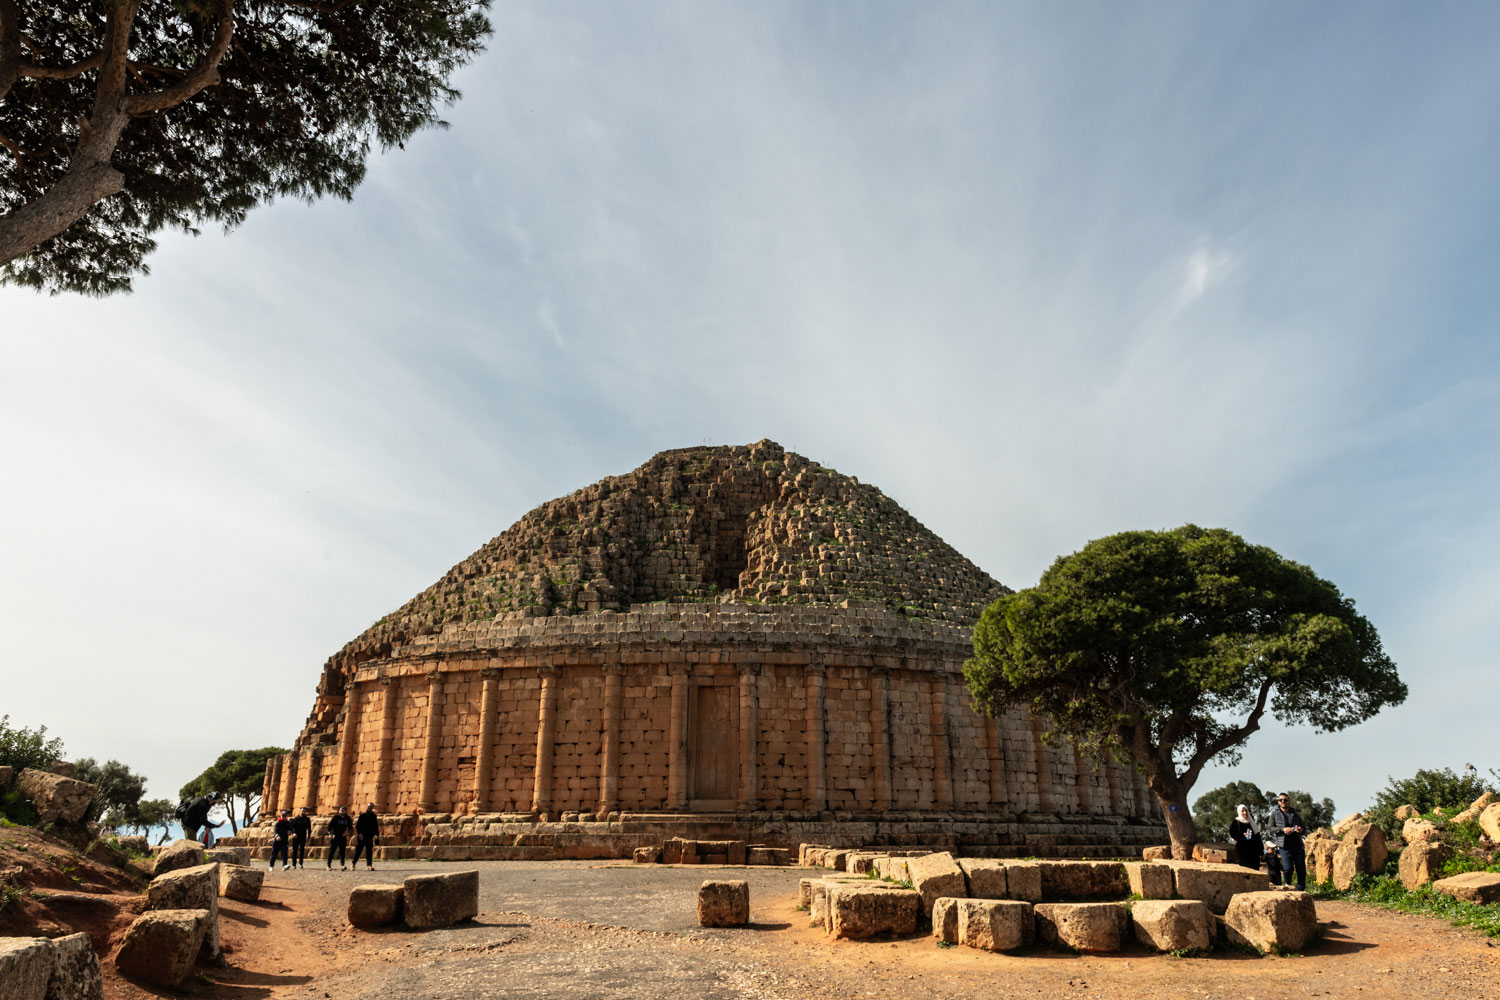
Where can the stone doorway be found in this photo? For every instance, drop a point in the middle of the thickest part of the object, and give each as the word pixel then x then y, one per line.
pixel 712 759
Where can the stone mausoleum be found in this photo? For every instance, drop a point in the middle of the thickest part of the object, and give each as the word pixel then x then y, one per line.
pixel 727 642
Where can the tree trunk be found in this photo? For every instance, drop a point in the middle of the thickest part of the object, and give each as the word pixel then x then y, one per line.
pixel 1180 825
pixel 229 812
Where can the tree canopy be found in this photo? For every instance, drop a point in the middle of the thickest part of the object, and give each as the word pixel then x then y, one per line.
pixel 123 118
pixel 239 774
pixel 23 748
pixel 1213 810
pixel 1167 648
pixel 119 788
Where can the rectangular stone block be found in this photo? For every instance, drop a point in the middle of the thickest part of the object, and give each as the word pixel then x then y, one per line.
pixel 986 878
pixel 995 924
pixel 1148 880
pixel 867 912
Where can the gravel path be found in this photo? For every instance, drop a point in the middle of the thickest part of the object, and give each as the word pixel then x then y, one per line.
pixel 608 930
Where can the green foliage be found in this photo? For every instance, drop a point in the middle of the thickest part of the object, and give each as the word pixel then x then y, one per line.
pixel 152 813
pixel 1427 790
pixel 1152 644
pixel 16 810
pixel 120 788
pixel 1388 892
pixel 305 92
pixel 1216 809
pixel 23 748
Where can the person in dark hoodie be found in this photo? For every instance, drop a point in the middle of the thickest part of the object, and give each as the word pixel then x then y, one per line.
pixel 301 830
pixel 366 832
pixel 281 833
pixel 339 828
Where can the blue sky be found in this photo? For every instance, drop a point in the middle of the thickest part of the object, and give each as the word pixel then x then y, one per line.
pixel 1041 272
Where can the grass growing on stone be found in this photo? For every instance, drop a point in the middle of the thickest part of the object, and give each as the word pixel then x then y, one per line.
pixel 1388 893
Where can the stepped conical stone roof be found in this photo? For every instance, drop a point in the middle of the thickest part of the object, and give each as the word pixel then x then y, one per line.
pixel 751 524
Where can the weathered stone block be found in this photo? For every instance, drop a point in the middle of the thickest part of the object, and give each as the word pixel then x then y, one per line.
pixel 1471 887
pixel 440 900
pixel 1407 812
pixel 25 967
pixel 1148 880
pixel 1489 822
pixel 178 854
pixel 1346 824
pixel 724 903
pixel 995 924
pixel 228 855
pixel 1082 879
pixel 137 844
pixel 1161 853
pixel 376 905
pixel 1172 924
pixel 1023 880
pixel 936 875
pixel 194 888
pixel 56 798
pixel 1362 851
pixel 1320 854
pixel 766 856
pixel 986 878
pixel 1416 830
pixel 1089 927
pixel 860 912
pixel 1476 807
pixel 1422 862
pixel 75 970
pixel 945 919
pixel 241 883
pixel 1271 921
pixel 1214 854
pixel 161 946
pixel 647 855
pixel 1214 885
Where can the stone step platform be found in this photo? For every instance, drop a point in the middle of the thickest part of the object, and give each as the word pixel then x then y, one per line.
pixel 499 836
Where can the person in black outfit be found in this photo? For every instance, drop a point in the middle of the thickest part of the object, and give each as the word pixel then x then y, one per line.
pixel 281 833
pixel 1247 845
pixel 301 830
pixel 366 831
pixel 195 817
pixel 1273 862
pixel 1288 827
pixel 339 828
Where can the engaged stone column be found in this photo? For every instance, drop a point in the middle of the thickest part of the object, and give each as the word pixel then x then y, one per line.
pixel 1081 782
pixel 433 745
pixel 1043 767
pixel 541 785
pixel 880 736
pixel 1112 777
pixel 749 737
pixel 677 751
pixel 270 789
pixel 942 768
pixel 817 782
pixel 387 745
pixel 289 781
pixel 996 749
pixel 348 746
pixel 314 770
pixel 484 766
pixel 609 758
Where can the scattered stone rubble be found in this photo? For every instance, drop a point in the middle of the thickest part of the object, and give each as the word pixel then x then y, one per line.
pixel 422 902
pixel 62 968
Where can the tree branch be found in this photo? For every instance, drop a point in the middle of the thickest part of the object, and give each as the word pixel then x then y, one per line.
pixel 82 66
pixel 204 74
pixel 1207 751
pixel 10 45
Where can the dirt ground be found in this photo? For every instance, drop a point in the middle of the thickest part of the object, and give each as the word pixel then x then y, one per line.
pixel 611 930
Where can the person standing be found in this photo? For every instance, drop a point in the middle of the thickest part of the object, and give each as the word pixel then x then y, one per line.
pixel 195 815
pixel 1288 826
pixel 280 834
pixel 339 827
pixel 301 830
pixel 366 832
pixel 1247 849
pixel 1273 863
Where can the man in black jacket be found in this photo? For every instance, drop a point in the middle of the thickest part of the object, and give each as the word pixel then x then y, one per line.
pixel 280 834
pixel 1288 827
pixel 301 830
pixel 195 816
pixel 366 831
pixel 339 827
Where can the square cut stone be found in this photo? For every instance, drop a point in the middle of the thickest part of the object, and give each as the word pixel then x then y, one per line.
pixel 995 924
pixel 1082 879
pixel 1087 927
pixel 936 875
pixel 161 946
pixel 986 878
pixel 1271 921
pixel 1147 880
pixel 866 912
pixel 1214 885
pixel 1023 880
pixel 25 967
pixel 1172 924
pixel 440 900
pixel 1471 887
pixel 724 903
pixel 945 919
pixel 375 905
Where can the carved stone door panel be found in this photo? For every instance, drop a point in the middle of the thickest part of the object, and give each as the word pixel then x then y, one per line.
pixel 712 748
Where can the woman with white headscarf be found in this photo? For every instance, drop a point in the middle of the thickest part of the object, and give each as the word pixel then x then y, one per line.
pixel 1247 849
